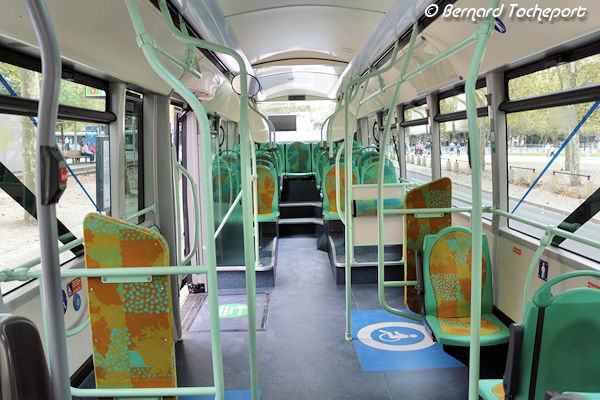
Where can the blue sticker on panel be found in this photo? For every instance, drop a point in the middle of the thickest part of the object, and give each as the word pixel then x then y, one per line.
pixel 543 270
pixel 229 395
pixel 65 304
pixel 499 25
pixel 77 302
pixel 387 342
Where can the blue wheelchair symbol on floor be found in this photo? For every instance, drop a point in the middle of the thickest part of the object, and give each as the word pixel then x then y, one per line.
pixel 395 336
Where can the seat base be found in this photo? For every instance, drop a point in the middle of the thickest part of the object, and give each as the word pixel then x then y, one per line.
pixel 491 389
pixel 491 339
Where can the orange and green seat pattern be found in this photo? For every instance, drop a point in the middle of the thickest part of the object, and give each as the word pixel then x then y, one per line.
pixel 447 281
pixel 369 171
pixel 268 194
pixel 330 210
pixel 131 322
pixel 434 194
pixel 297 159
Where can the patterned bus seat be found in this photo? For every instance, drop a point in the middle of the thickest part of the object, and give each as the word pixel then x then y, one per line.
pixel 297 159
pixel 131 322
pixel 330 210
pixel 447 283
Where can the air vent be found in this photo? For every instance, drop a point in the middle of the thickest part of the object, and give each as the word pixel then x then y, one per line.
pixel 297 97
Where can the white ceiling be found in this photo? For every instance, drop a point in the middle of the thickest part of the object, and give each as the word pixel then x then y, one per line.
pixel 291 35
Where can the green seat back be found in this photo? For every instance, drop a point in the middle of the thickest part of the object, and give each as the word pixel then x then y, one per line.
pixel 297 158
pixel 370 171
pixel 225 182
pixel 447 281
pixel 330 210
pixel 447 273
pixel 560 350
pixel 268 193
pixel 569 354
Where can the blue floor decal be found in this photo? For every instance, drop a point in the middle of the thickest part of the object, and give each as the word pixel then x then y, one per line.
pixel 387 342
pixel 229 395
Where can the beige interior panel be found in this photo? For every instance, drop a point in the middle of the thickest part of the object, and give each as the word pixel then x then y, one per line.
pixel 366 229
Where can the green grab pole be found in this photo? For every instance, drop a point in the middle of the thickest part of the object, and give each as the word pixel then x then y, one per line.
pixel 400 283
pixel 267 121
pixel 247 195
pixel 206 195
pixel 78 329
pixel 338 185
pixel 330 128
pixel 483 34
pixel 126 271
pixel 374 185
pixel 381 176
pixel 187 174
pixel 325 122
pixel 178 223
pixel 445 54
pixel 545 241
pixel 228 214
pixel 403 211
pixel 145 392
pixel 162 51
pixel 255 202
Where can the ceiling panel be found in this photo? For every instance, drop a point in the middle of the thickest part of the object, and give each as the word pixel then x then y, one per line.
pixel 234 7
pixel 314 31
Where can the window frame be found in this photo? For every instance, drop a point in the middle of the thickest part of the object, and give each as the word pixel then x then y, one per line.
pixel 20 106
pixel 584 94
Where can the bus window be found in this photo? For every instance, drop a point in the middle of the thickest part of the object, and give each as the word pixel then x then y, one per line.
pixel 547 138
pixel 134 176
pixel 77 141
pixel 454 142
pixel 17 188
pixel 418 153
pixel 26 83
pixel 535 138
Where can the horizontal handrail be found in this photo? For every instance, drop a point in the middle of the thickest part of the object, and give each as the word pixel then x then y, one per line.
pixel 403 211
pixel 131 271
pixel 74 243
pixel 145 392
pixel 228 214
pixel 374 185
pixel 551 228
pixel 78 329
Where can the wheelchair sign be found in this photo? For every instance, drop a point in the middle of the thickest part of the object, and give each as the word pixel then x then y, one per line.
pixel 395 336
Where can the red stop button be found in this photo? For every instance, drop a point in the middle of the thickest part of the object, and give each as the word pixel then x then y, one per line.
pixel 63 175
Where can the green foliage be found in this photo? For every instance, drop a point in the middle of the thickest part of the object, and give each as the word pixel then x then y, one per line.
pixel 71 93
pixel 540 126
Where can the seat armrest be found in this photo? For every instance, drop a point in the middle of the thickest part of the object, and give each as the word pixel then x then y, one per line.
pixel 513 361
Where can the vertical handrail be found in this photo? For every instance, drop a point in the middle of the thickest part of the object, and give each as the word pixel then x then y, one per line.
pixel 180 168
pixel 267 120
pixel 245 172
pixel 255 202
pixel 330 128
pixel 178 224
pixel 380 181
pixel 338 184
pixel 352 90
pixel 46 213
pixel 145 44
pixel 484 32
